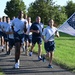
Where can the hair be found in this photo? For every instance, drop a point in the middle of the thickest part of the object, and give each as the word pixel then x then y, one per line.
pixel 0 19
pixel 3 18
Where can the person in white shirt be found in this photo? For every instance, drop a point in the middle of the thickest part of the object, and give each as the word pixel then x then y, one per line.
pixel 9 32
pixel 1 35
pixel 28 35
pixel 4 26
pixel 18 31
pixel 48 36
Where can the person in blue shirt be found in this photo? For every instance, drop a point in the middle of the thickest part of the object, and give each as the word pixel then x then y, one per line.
pixel 36 30
pixel 18 31
pixel 48 36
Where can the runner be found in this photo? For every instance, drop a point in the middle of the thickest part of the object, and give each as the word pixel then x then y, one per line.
pixel 48 36
pixel 1 36
pixel 36 30
pixel 19 26
pixel 9 32
pixel 28 35
pixel 4 27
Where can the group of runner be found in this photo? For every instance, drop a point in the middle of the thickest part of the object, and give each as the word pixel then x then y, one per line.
pixel 21 33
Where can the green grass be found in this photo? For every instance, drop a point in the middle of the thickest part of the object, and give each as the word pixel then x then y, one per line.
pixel 1 73
pixel 65 51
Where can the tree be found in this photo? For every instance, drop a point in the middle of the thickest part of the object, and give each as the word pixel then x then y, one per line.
pixel 70 8
pixel 47 9
pixel 59 14
pixel 13 7
pixel 40 8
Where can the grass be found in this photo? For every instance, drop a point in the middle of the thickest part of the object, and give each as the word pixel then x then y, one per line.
pixel 65 51
pixel 1 73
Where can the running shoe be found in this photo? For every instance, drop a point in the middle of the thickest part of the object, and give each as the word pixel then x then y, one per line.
pixel 30 53
pixel 39 58
pixel 50 66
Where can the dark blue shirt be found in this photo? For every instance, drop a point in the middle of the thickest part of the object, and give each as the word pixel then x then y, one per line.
pixel 37 26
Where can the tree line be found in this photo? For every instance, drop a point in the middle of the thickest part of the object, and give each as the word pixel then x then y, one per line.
pixel 46 9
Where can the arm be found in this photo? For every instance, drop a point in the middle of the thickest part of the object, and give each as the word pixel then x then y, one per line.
pixel 34 31
pixel 9 32
pixel 43 38
pixel 57 34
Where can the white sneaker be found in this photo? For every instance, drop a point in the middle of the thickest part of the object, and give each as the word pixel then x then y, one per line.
pixel 17 65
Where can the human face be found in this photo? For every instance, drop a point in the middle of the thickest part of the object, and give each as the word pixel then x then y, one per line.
pixel 51 23
pixel 25 16
pixel 8 20
pixel 21 14
pixel 4 19
pixel 38 19
pixel 29 19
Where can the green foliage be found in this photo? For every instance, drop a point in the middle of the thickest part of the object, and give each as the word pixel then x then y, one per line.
pixel 13 7
pixel 47 10
pixel 70 8
pixel 59 15
pixel 40 8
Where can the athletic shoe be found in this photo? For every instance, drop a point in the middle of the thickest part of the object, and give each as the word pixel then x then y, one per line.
pixel 50 66
pixel 8 53
pixel 43 58
pixel 2 50
pixel 39 58
pixel 30 53
pixel 16 66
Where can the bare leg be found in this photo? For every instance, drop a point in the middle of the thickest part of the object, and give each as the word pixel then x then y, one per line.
pixel 39 49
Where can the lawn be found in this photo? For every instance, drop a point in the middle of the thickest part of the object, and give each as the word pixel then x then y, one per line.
pixel 64 52
pixel 1 73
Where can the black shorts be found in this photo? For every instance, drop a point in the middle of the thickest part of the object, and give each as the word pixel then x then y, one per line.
pixel 1 33
pixel 49 46
pixel 18 37
pixel 28 38
pixel 5 37
pixel 37 40
pixel 11 42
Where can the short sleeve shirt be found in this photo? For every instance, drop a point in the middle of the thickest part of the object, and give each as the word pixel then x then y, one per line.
pixel 9 29
pixel 18 25
pixel 4 25
pixel 36 26
pixel 49 33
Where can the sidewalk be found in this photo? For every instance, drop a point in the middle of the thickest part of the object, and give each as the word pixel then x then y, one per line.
pixel 28 66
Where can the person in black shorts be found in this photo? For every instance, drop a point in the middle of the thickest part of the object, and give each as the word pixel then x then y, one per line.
pixel 48 36
pixel 36 30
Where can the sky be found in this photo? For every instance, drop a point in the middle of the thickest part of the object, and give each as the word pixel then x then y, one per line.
pixel 27 2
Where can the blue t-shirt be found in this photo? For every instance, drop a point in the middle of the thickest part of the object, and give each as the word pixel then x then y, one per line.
pixel 36 26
